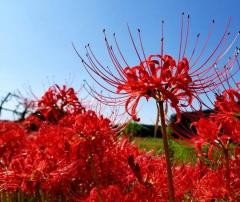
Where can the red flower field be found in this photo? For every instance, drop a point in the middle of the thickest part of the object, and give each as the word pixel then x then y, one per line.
pixel 65 151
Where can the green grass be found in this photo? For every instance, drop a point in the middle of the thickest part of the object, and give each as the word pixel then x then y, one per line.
pixel 181 152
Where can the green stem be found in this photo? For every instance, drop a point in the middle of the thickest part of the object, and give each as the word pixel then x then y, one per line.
pixel 157 122
pixel 171 194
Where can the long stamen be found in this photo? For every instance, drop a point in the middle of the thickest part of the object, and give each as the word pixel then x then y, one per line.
pixel 207 95
pixel 105 76
pixel 162 41
pixel 227 76
pixel 114 59
pixel 100 65
pixel 134 45
pixel 86 66
pixel 221 73
pixel 205 45
pixel 119 50
pixel 222 40
pixel 194 47
pixel 107 100
pixel 230 45
pixel 181 36
pixel 215 69
pixel 140 40
pixel 90 74
pixel 187 32
pixel 144 55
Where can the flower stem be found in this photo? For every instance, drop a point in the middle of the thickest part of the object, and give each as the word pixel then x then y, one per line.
pixel 95 178
pixel 157 122
pixel 167 154
pixel 227 167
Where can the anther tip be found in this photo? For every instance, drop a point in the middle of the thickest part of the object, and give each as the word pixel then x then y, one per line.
pixel 162 21
pixel 198 35
pixel 183 13
pixel 188 16
pixel 104 30
pixel 213 21
pixel 138 30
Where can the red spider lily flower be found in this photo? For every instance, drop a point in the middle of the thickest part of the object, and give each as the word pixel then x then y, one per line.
pixel 228 113
pixel 223 124
pixel 228 104
pixel 54 105
pixel 11 139
pixel 163 83
pixel 58 101
pixel 160 76
pixel 217 130
pixel 207 134
pixel 212 186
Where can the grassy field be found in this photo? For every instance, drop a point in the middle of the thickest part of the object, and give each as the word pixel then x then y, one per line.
pixel 181 152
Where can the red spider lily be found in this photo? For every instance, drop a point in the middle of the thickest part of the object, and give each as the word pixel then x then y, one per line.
pixel 207 134
pixel 228 113
pixel 58 101
pixel 159 76
pixel 228 105
pixel 217 130
pixel 212 184
pixel 223 125
pixel 166 82
pixel 54 105
pixel 225 114
pixel 11 139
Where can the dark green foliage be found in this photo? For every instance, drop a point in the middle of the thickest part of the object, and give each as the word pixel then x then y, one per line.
pixel 132 129
pixel 184 127
pixel 141 130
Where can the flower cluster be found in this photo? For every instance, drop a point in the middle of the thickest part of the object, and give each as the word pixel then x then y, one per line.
pixel 220 132
pixel 53 106
pixel 223 124
pixel 80 158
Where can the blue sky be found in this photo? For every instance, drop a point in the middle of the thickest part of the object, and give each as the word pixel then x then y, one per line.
pixel 36 36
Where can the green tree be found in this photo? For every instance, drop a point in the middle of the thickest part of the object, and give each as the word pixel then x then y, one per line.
pixel 132 129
